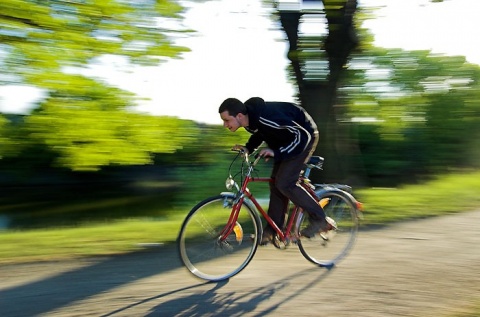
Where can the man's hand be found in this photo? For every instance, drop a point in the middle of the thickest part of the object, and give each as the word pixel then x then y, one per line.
pixel 267 153
pixel 238 147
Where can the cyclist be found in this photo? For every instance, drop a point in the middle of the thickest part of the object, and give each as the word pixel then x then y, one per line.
pixel 291 136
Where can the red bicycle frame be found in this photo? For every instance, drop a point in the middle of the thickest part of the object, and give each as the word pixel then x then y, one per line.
pixel 245 192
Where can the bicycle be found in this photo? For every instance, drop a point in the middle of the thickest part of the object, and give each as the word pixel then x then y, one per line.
pixel 221 234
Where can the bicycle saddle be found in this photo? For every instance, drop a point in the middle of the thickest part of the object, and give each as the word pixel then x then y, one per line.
pixel 315 160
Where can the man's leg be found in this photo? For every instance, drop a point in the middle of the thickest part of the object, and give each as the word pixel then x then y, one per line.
pixel 277 208
pixel 278 204
pixel 287 183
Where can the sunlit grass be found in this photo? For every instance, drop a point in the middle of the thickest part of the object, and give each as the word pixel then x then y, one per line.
pixel 447 194
pixel 444 195
pixel 96 239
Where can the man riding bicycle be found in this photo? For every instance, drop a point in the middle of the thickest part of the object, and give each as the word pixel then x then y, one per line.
pixel 291 136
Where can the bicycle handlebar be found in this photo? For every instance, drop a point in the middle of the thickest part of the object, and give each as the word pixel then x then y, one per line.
pixel 246 156
pixel 315 162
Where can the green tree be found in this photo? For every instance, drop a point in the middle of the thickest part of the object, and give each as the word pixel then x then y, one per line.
pixel 83 120
pixel 416 113
pixel 319 61
pixel 96 131
pixel 6 142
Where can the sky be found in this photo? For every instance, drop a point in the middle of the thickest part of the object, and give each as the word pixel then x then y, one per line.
pixel 420 24
pixel 238 51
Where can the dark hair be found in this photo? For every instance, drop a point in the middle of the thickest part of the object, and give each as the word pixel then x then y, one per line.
pixel 233 106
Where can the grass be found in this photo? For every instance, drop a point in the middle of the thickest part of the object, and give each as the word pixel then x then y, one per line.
pixel 443 195
pixel 446 194
pixel 96 239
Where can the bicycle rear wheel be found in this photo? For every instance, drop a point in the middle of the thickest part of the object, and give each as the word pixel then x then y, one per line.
pixel 328 248
pixel 203 252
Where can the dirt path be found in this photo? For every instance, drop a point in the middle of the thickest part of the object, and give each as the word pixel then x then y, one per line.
pixel 423 268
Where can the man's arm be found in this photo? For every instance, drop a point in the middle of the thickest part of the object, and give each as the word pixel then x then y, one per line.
pixel 253 142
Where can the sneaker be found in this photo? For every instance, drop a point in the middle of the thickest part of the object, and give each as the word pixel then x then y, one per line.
pixel 318 225
pixel 331 225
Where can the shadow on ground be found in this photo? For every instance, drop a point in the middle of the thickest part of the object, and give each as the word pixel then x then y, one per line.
pixel 103 275
pixel 100 276
pixel 210 299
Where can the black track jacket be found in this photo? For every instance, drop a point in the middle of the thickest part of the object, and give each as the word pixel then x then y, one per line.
pixel 286 128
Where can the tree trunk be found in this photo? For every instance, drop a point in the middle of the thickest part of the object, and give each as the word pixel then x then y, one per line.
pixel 317 86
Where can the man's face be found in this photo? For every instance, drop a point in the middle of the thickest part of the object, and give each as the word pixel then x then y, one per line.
pixel 230 122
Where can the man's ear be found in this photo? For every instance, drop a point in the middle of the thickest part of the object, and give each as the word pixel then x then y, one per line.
pixel 243 119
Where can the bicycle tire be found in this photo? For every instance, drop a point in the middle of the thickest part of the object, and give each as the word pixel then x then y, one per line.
pixel 200 248
pixel 327 249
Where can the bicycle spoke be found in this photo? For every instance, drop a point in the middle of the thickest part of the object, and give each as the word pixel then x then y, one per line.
pixel 328 248
pixel 207 254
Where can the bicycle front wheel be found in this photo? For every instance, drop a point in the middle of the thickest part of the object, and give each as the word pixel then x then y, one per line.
pixel 203 251
pixel 328 248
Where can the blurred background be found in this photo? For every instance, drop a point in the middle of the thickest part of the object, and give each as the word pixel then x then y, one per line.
pixel 109 109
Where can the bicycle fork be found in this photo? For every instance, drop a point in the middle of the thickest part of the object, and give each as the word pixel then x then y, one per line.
pixel 232 223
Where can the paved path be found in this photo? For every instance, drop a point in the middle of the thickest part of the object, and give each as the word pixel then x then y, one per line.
pixel 423 268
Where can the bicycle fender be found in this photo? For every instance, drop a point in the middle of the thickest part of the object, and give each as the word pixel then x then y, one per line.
pixel 230 194
pixel 347 195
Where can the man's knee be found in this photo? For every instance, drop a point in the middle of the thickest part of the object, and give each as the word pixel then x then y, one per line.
pixel 285 186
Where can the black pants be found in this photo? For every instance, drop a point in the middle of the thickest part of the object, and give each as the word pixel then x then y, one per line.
pixel 285 187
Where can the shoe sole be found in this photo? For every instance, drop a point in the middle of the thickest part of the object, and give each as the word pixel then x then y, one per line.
pixel 331 225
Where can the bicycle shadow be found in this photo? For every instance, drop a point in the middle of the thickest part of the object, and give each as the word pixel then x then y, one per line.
pixel 218 302
pixel 100 275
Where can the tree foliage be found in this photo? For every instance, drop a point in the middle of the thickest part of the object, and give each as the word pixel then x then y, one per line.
pixel 319 64
pixel 416 113
pixel 84 121
pixel 5 137
pixel 94 131
pixel 53 33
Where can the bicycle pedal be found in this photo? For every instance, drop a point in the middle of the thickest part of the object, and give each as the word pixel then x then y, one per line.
pixel 279 244
pixel 324 236
pixel 225 246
